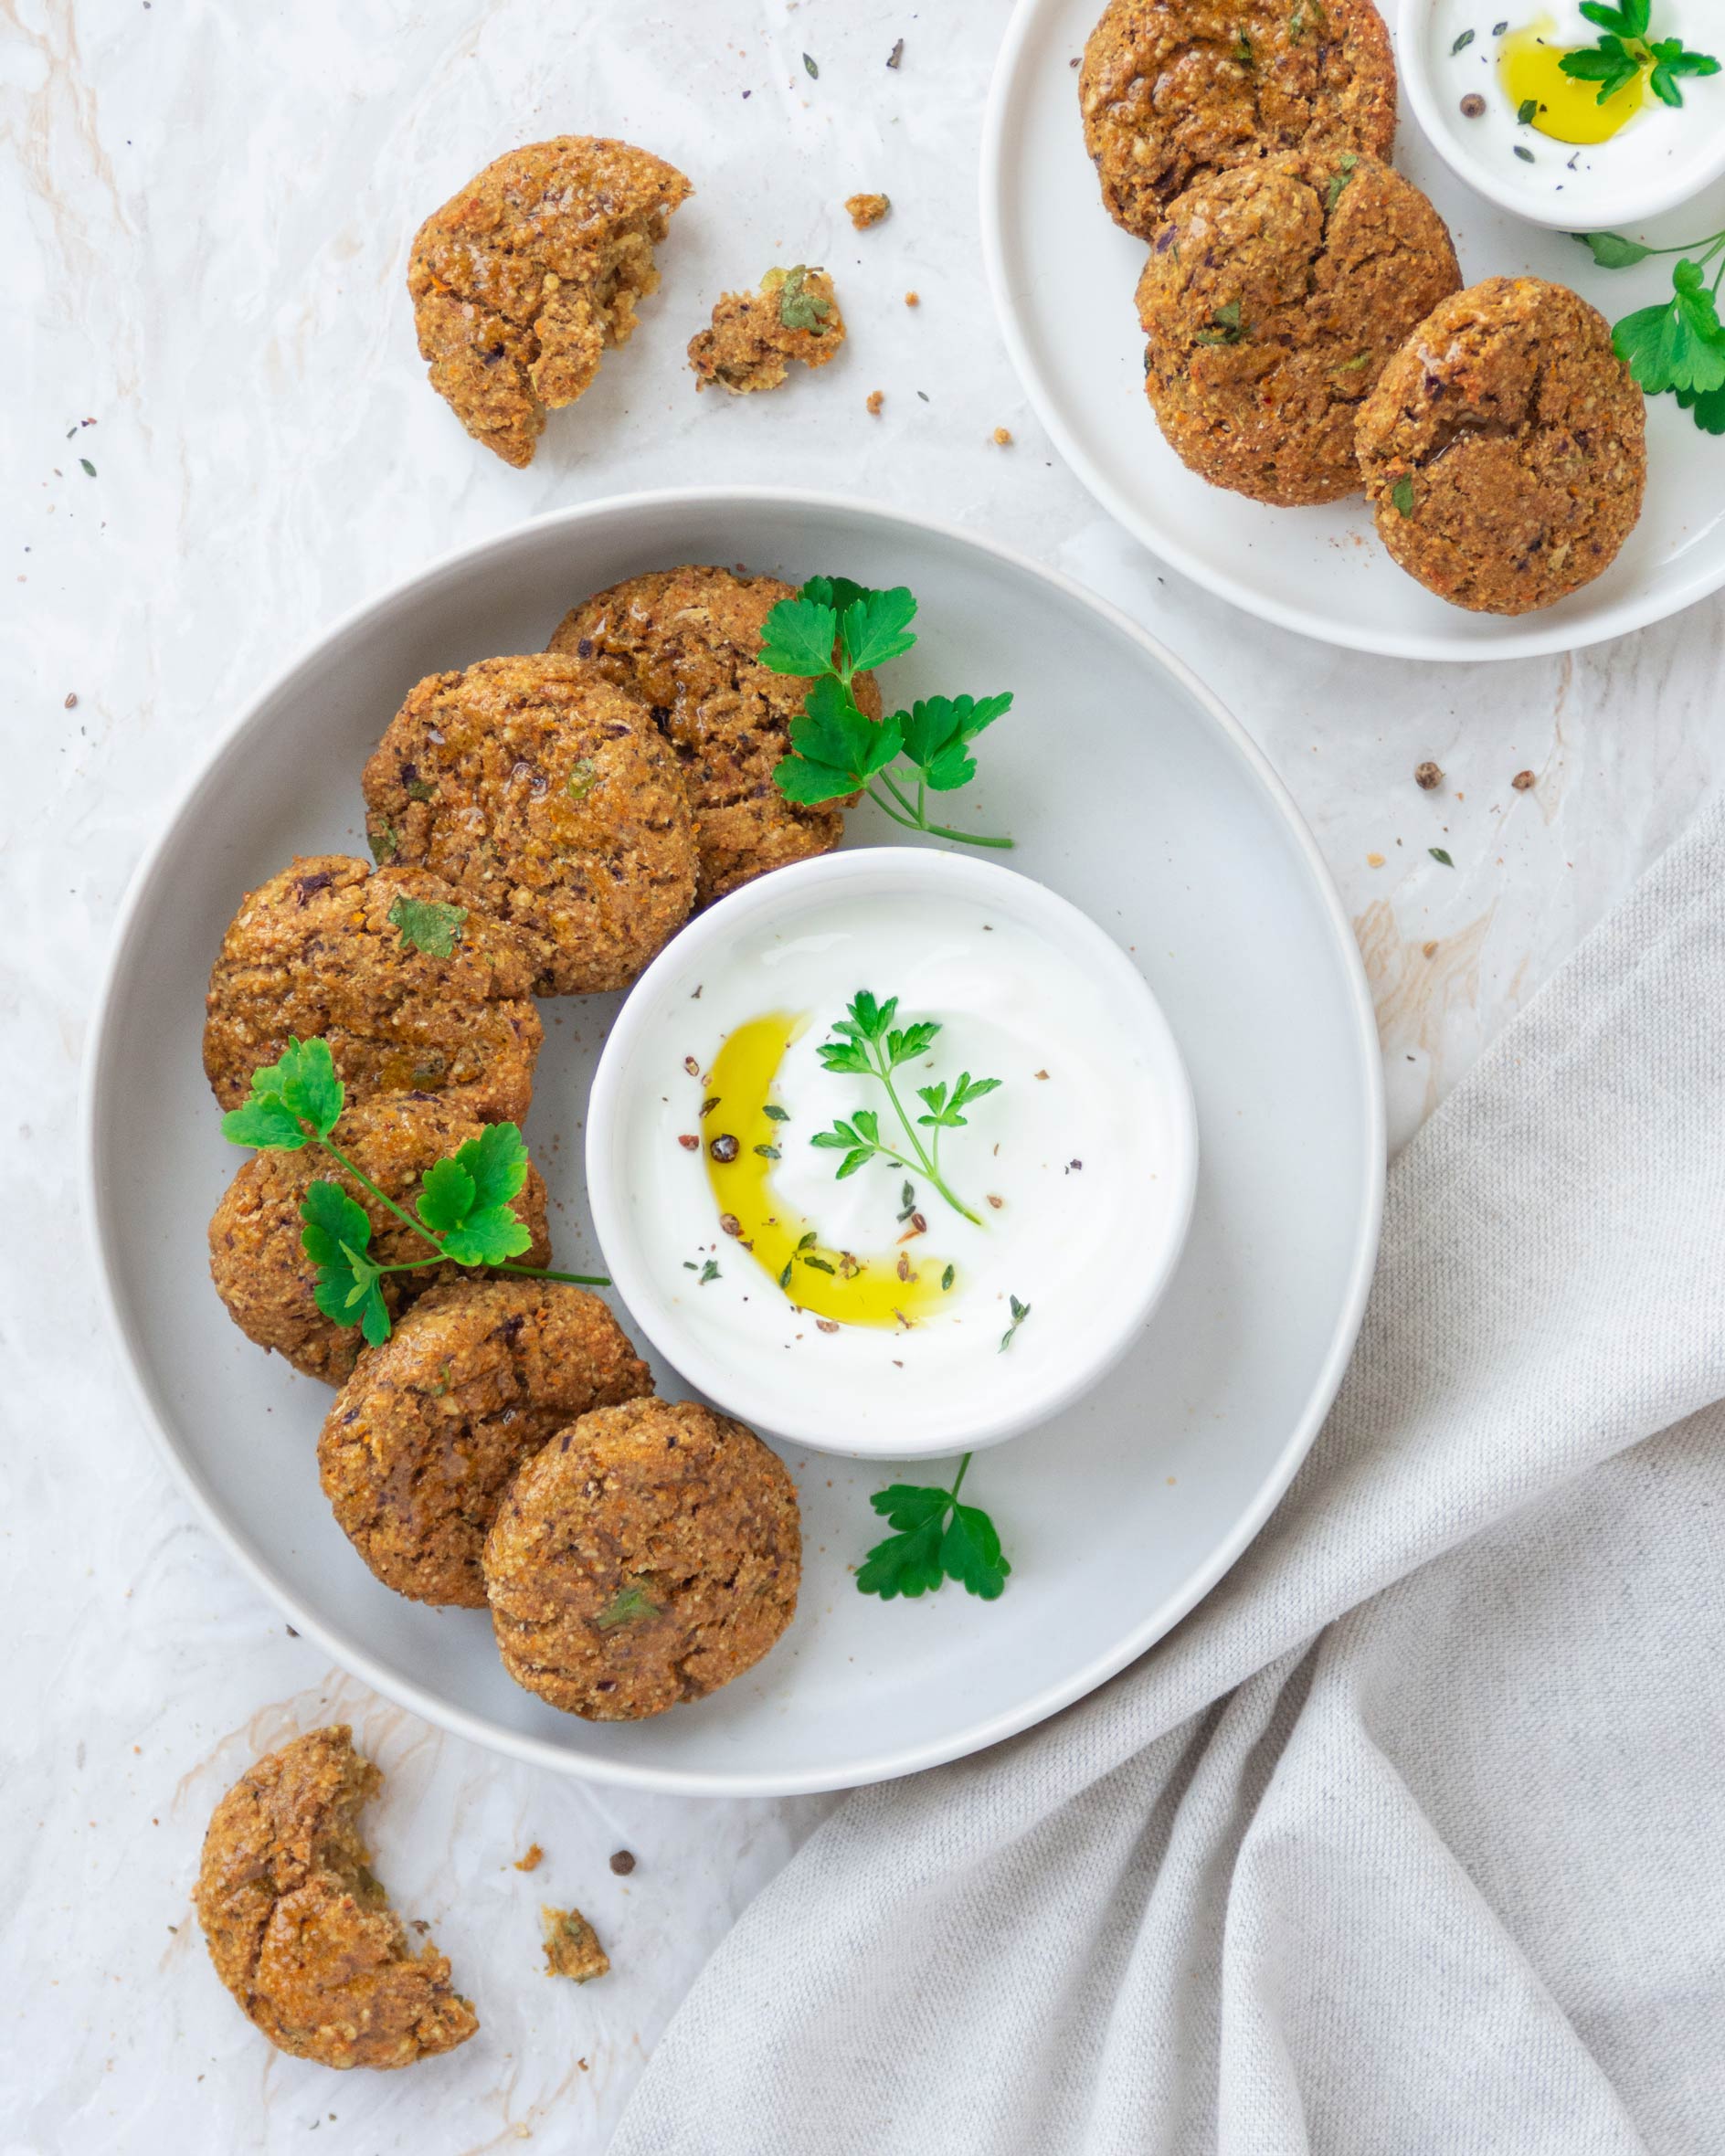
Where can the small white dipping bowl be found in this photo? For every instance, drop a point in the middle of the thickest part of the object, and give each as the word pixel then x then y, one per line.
pixel 650 1198
pixel 1655 165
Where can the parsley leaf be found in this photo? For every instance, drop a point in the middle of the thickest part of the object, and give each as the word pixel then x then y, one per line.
pixel 799 635
pixel 1707 408
pixel 464 1212
pixel 945 1113
pixel 336 1234
pixel 938 1538
pixel 466 1199
pixel 1020 1311
pixel 300 1089
pixel 1611 251
pixel 842 748
pixel 1678 346
pixel 627 1607
pixel 830 632
pixel 1616 58
pixel 1670 60
pixel 1225 326
pixel 427 925
pixel 867 1045
pixel 1338 180
pixel 799 308
pixel 875 627
pixel 937 731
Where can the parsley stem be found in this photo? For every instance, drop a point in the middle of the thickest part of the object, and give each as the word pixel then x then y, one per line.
pixel 935 831
pixel 964 1469
pixel 544 1272
pixel 436 1241
pixel 365 1183
pixel 884 1072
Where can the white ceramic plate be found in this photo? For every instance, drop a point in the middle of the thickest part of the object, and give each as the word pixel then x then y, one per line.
pixel 1134 794
pixel 1063 277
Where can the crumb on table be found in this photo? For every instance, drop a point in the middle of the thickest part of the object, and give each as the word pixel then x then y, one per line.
pixel 1002 437
pixel 754 336
pixel 532 1861
pixel 572 1946
pixel 875 400
pixel 867 209
pixel 913 299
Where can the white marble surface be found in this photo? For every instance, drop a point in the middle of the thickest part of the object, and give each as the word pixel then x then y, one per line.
pixel 207 207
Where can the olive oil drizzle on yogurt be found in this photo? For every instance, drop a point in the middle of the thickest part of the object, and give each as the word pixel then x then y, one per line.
pixel 742 1139
pixel 1564 107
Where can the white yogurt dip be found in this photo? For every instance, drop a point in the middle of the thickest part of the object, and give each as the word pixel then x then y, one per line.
pixel 1503 113
pixel 868 1311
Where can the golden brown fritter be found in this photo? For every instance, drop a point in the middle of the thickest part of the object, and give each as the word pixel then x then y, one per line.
pixel 1171 90
pixel 754 336
pixel 1273 296
pixel 521 281
pixel 410 1000
pixel 684 641
pixel 648 1554
pixel 301 1932
pixel 572 1946
pixel 866 210
pixel 1504 448
pixel 424 1437
pixel 266 1279
pixel 547 797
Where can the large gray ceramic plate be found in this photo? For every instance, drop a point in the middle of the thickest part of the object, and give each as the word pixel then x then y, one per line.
pixel 1133 793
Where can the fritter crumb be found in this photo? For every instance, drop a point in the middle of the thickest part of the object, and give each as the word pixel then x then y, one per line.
pixel 867 209
pixel 754 336
pixel 572 1946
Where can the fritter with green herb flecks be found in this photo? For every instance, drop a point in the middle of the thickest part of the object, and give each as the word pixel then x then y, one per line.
pixel 1171 90
pixel 255 1258
pixel 1504 448
pixel 547 797
pixel 521 281
pixel 648 1554
pixel 415 992
pixel 687 642
pixel 1273 298
pixel 426 1435
pixel 754 336
pixel 302 1933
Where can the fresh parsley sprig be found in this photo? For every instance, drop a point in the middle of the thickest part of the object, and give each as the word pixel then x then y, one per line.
pixel 869 1045
pixel 465 1207
pixel 1678 345
pixel 1615 58
pixel 938 1539
pixel 830 633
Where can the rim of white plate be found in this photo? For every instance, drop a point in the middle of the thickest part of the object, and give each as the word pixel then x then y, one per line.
pixel 881 1766
pixel 1006 87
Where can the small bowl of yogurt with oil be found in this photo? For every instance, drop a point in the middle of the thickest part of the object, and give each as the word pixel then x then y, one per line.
pixel 892 1153
pixel 1639 133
